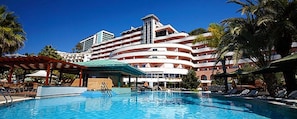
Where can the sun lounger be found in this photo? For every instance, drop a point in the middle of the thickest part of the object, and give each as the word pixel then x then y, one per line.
pixel 281 94
pixel 232 91
pixel 293 95
pixel 244 92
pixel 252 93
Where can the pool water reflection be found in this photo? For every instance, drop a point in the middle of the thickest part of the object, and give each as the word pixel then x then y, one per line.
pixel 148 105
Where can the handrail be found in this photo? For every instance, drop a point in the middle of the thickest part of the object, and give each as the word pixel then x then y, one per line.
pixel 2 93
pixel 105 89
pixel 3 96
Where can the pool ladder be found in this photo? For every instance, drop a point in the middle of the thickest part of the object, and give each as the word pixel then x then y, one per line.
pixel 5 93
pixel 105 89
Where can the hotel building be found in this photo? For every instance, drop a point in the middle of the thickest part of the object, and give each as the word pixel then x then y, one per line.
pixel 162 52
pixel 75 57
pixel 85 54
pixel 94 39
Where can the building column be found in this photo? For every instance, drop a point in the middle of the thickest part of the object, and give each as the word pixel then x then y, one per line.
pixel 151 84
pixel 10 73
pixel 136 83
pixel 165 86
pixel 80 77
pixel 51 74
pixel 129 82
pixel 119 80
pixel 47 73
pixel 61 74
pixel 85 79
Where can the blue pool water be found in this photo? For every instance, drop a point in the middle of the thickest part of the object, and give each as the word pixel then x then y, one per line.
pixel 147 105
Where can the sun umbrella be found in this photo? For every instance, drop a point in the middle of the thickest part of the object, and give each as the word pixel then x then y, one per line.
pixel 286 62
pixel 28 79
pixel 40 73
pixel 267 69
pixel 3 80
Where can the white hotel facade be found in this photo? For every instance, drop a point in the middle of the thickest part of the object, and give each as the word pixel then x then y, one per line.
pixel 162 52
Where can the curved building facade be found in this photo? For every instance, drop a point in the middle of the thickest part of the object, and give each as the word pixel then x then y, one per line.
pixel 163 53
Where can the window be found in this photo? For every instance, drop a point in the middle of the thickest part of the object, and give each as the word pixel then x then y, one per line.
pixel 235 66
pixel 161 33
pixel 203 77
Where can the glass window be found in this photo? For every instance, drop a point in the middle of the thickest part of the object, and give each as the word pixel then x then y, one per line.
pixel 203 77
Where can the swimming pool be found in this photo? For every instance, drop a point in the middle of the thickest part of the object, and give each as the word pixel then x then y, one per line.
pixel 146 105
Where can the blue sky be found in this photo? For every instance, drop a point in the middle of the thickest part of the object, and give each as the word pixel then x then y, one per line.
pixel 63 23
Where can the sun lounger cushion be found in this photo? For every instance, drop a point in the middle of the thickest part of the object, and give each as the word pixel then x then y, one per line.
pixel 245 92
pixel 252 93
pixel 281 94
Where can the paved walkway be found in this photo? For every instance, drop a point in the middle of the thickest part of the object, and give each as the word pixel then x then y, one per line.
pixel 17 97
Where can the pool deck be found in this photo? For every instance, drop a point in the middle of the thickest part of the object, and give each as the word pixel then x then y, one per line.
pixel 291 103
pixel 16 97
pixel 280 101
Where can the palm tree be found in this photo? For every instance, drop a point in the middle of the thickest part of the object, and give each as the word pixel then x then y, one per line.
pixel 247 39
pixel 12 34
pixel 78 47
pixel 198 31
pixel 268 25
pixel 281 20
pixel 216 30
pixel 213 41
pixel 245 42
pixel 49 51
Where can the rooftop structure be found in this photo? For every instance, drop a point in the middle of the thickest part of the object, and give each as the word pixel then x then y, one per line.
pixel 94 39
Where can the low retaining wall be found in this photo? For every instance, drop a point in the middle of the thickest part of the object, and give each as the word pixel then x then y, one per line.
pixel 47 91
pixel 121 90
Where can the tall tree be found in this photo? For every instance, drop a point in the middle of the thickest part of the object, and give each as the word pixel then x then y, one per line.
pixel 213 41
pixel 280 19
pixel 190 81
pixel 268 25
pixel 78 47
pixel 246 39
pixel 49 51
pixel 216 30
pixel 198 31
pixel 12 34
